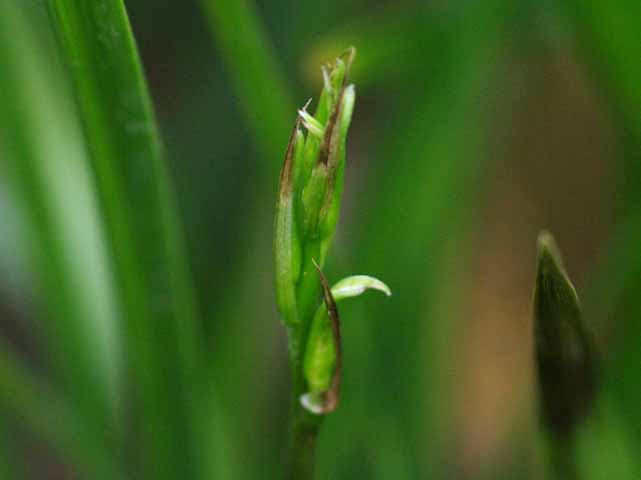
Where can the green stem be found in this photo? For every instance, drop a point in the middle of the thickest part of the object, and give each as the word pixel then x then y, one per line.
pixel 304 426
pixel 302 449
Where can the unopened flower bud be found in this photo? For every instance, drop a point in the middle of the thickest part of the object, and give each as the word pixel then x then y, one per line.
pixel 564 349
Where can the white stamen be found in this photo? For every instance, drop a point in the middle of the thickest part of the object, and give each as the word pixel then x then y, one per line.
pixel 311 124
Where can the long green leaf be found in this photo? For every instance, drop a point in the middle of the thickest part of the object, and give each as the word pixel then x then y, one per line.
pixel 42 150
pixel 145 240
pixel 259 85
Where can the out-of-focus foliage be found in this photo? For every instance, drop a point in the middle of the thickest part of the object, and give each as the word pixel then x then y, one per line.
pixel 477 124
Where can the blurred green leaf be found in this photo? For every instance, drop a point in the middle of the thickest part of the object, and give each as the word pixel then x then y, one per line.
pixel 609 35
pixel 261 90
pixel 429 162
pixel 145 238
pixel 389 41
pixel 621 457
pixel 260 87
pixel 43 153
pixel 612 304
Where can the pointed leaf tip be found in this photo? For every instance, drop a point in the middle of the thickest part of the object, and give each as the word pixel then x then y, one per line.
pixel 564 349
pixel 311 124
pixel 548 250
pixel 553 285
pixel 356 285
pixel 321 403
pixel 348 55
pixel 286 173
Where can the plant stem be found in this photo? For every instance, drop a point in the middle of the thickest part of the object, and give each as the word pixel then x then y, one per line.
pixel 302 448
pixel 304 426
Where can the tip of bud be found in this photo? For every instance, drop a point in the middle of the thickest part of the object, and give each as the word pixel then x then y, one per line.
pixel 547 248
pixel 327 401
pixel 348 57
pixel 546 240
pixel 311 124
pixel 551 274
pixel 564 350
pixel 286 173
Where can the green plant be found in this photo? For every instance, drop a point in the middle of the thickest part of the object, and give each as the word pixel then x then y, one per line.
pixel 109 370
pixel 39 138
pixel 307 209
pixel 566 367
pixel 144 242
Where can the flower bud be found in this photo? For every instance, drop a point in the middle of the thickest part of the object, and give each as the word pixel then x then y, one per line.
pixel 287 243
pixel 324 156
pixel 564 350
pixel 323 367
pixel 322 355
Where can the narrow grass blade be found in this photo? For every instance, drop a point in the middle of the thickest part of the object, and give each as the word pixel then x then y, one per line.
pixel 260 87
pixel 145 239
pixel 43 154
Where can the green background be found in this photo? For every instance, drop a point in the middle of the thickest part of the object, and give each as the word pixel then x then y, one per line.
pixel 476 125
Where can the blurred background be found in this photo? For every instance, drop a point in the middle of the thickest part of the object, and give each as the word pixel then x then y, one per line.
pixel 477 124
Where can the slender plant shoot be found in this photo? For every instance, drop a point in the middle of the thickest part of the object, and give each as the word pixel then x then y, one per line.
pixel 564 358
pixel 307 210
